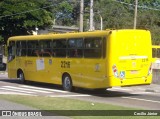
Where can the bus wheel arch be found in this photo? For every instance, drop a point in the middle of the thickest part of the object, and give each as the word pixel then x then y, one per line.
pixel 67 82
pixel 20 75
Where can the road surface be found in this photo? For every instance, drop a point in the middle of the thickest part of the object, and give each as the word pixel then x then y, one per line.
pixel 136 97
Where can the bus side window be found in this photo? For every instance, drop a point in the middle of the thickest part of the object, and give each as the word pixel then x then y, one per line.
pixel 93 47
pixel 33 47
pixel 75 47
pixel 11 51
pixel 23 48
pixel 59 48
pixel 18 52
pixel 45 48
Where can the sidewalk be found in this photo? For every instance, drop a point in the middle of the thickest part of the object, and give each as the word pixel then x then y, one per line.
pixel 152 88
pixel 155 88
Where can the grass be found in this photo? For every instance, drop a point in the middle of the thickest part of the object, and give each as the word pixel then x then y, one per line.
pixel 48 103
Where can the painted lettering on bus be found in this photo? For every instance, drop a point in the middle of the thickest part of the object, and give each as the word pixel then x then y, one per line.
pixel 145 60
pixel 65 64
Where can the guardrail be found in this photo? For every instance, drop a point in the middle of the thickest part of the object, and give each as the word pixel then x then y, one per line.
pixel 156 71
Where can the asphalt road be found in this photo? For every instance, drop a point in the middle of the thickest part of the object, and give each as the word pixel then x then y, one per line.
pixel 11 86
pixel 136 97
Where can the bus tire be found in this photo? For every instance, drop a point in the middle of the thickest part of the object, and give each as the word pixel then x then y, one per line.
pixel 21 77
pixel 67 83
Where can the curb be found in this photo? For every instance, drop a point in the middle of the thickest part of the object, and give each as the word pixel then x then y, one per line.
pixel 152 90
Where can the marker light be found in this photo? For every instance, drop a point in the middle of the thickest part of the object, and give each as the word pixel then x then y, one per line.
pixel 150 69
pixel 115 71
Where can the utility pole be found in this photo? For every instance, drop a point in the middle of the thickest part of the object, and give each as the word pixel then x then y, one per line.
pixel 101 20
pixel 135 14
pixel 81 15
pixel 91 16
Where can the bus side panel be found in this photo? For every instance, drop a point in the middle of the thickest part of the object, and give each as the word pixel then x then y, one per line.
pixel 20 64
pixel 30 69
pixel 12 73
pixel 56 71
pixel 75 70
pixel 91 72
pixel 94 73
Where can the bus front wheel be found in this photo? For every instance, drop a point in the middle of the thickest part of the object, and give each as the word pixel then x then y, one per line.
pixel 21 76
pixel 67 83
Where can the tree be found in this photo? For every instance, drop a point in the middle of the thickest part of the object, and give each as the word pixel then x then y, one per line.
pixel 115 15
pixel 148 18
pixel 120 13
pixel 1 39
pixel 63 13
pixel 20 17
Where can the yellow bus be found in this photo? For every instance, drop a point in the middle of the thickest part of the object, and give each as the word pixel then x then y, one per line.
pixel 93 60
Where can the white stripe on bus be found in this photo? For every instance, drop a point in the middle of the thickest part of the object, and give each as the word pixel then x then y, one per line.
pixel 132 57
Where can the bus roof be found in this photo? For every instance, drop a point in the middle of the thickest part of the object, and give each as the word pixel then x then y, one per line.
pixel 69 35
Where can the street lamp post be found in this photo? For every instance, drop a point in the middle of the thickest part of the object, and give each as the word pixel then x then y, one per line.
pixel 101 20
pixel 81 15
pixel 135 14
pixel 91 15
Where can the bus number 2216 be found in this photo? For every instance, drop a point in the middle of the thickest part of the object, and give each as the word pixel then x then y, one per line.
pixel 65 64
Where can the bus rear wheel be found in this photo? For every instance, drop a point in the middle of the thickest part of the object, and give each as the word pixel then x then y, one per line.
pixel 67 83
pixel 21 77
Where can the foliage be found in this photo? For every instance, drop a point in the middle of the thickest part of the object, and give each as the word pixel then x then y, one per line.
pixel 116 14
pixel 120 13
pixel 1 39
pixel 63 13
pixel 21 17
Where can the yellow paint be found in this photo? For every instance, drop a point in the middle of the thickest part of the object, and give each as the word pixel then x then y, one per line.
pixel 128 50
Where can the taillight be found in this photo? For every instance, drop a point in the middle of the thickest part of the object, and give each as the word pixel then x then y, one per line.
pixel 115 71
pixel 150 70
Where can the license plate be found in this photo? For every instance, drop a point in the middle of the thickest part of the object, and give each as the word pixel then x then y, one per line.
pixel 134 72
